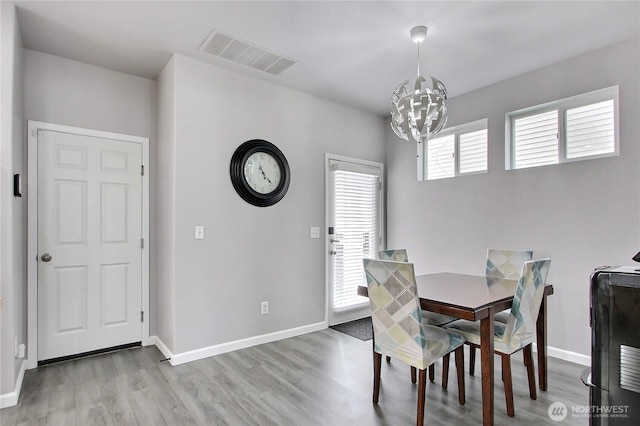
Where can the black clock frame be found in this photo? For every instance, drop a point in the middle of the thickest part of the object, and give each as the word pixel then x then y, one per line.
pixel 236 170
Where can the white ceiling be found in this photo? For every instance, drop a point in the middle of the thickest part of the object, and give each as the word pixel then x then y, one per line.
pixel 355 53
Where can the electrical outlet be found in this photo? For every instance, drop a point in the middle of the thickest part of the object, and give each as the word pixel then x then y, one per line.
pixel 199 232
pixel 21 351
pixel 264 308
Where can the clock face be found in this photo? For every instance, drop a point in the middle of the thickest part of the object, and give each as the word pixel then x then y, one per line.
pixel 259 173
pixel 262 172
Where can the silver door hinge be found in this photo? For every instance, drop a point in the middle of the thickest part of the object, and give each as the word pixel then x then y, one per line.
pixel 142 243
pixel 142 170
pixel 141 316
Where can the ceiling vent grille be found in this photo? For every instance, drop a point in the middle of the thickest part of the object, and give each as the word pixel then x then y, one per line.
pixel 234 50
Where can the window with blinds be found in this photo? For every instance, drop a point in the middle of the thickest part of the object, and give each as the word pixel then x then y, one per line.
pixel 536 140
pixel 456 151
pixel 473 152
pixel 357 231
pixel 577 128
pixel 590 130
pixel 441 157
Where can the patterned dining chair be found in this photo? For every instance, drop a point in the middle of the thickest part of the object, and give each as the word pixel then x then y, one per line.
pixel 397 255
pixel 399 330
pixel 501 264
pixel 506 263
pixel 520 329
pixel 400 255
pixel 431 318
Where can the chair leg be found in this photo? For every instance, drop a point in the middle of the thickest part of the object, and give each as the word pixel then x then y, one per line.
pixel 388 359
pixel 413 375
pixel 459 354
pixel 445 370
pixel 472 360
pixel 528 357
pixel 377 361
pixel 508 385
pixel 422 384
pixel 432 372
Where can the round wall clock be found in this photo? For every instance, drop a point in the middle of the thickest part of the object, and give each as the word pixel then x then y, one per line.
pixel 259 173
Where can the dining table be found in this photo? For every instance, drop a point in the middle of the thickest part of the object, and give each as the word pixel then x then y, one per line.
pixel 479 298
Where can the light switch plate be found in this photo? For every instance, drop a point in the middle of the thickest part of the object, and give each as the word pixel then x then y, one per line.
pixel 199 232
pixel 314 232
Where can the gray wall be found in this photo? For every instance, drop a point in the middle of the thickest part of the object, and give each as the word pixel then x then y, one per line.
pixel 581 214
pixel 165 201
pixel 13 224
pixel 249 254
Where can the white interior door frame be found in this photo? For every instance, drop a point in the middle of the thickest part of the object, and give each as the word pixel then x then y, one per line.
pixel 328 220
pixel 32 226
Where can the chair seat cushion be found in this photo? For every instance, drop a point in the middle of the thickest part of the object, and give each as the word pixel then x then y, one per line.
pixel 471 331
pixel 503 316
pixel 433 318
pixel 440 342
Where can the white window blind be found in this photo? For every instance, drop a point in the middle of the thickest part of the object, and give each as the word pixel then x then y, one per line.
pixel 576 128
pixel 536 140
pixel 456 151
pixel 440 157
pixel 357 229
pixel 473 151
pixel 590 130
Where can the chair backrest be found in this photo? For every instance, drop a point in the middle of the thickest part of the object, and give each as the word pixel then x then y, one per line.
pixel 395 310
pixel 521 325
pixel 398 255
pixel 506 263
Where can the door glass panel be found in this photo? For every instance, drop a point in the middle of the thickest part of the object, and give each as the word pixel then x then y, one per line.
pixel 356 221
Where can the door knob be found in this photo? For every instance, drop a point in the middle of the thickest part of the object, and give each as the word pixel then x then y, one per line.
pixel 46 257
pixel 332 252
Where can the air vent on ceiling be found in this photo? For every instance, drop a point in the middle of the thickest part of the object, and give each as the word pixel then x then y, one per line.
pixel 234 50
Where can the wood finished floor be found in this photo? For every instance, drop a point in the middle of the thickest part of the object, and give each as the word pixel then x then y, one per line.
pixel 322 378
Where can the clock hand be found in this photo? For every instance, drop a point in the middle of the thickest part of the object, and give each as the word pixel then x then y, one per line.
pixel 264 175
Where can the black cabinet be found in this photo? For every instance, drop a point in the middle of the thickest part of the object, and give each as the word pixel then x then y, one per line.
pixel 614 396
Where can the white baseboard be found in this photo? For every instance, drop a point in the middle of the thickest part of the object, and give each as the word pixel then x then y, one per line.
pixel 565 355
pixel 181 358
pixel 10 399
pixel 155 340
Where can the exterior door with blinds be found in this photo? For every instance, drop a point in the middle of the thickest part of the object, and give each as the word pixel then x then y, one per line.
pixel 355 226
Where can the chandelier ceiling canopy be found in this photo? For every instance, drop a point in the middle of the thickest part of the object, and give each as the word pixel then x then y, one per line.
pixel 419 114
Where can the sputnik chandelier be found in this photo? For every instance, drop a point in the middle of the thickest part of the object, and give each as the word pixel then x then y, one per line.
pixel 420 114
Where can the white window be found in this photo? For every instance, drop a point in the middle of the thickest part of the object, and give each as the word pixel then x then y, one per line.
pixel 576 128
pixel 456 151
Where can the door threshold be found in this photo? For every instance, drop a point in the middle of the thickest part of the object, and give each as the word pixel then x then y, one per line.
pixel 88 354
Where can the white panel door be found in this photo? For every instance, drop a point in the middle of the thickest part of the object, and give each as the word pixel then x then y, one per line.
pixel 89 243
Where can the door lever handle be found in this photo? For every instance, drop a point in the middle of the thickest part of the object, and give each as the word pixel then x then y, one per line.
pixel 46 257
pixel 333 252
pixel 334 241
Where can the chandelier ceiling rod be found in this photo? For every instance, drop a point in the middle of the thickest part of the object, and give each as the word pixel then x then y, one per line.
pixel 418 35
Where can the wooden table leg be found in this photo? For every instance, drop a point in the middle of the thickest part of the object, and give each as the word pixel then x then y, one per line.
pixel 486 360
pixel 541 343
